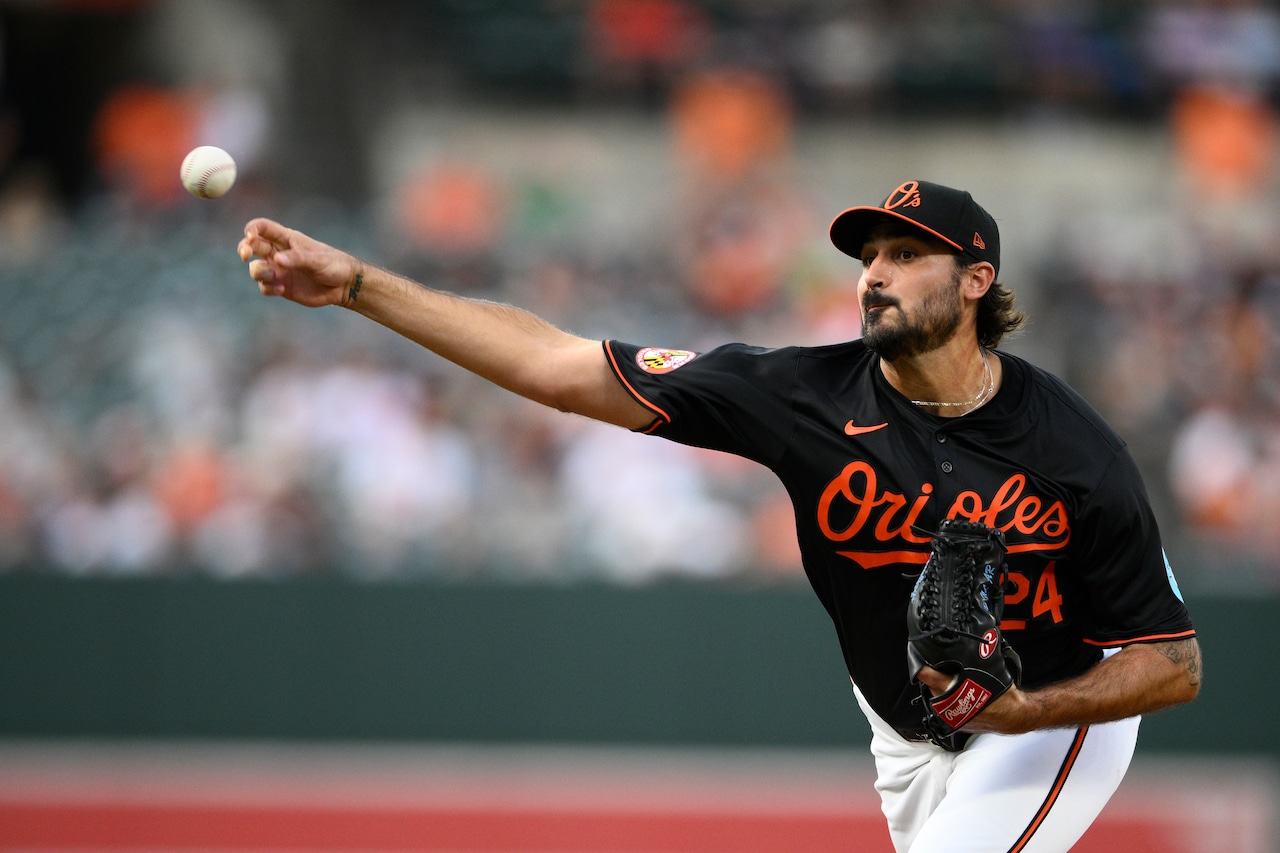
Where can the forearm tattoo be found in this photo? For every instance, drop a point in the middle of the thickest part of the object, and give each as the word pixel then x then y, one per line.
pixel 1186 654
pixel 354 293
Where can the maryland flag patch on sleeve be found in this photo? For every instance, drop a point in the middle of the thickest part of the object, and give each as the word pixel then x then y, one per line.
pixel 660 360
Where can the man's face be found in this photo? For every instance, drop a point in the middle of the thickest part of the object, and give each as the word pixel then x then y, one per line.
pixel 909 292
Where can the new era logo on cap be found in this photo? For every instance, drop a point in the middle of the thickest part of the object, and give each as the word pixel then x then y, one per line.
pixel 948 214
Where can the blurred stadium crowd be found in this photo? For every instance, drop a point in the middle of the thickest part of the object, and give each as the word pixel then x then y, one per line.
pixel 641 169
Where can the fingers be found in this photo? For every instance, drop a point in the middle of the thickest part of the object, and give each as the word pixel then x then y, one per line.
pixel 288 263
pixel 261 272
pixel 252 246
pixel 270 230
pixel 262 246
pixel 247 249
pixel 262 238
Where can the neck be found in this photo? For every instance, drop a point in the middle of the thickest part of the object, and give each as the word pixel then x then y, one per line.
pixel 948 382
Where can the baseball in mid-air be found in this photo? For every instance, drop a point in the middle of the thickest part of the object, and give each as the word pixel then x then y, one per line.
pixel 208 172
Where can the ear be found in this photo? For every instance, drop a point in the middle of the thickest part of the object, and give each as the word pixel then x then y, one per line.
pixel 977 280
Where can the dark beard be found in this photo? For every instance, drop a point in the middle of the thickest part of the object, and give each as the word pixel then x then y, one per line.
pixel 938 319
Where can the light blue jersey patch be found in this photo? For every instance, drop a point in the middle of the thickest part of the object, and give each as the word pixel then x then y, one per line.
pixel 1173 582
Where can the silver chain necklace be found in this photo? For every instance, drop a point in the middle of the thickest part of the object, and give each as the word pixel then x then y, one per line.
pixel 988 385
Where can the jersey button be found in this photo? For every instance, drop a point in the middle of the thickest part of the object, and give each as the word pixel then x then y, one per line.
pixel 947 467
pixel 942 438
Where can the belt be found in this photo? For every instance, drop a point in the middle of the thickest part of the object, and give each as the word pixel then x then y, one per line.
pixel 951 743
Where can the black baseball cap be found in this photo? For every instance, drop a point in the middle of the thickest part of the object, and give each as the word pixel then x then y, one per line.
pixel 949 214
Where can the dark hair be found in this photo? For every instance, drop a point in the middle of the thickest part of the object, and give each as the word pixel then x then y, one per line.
pixel 997 315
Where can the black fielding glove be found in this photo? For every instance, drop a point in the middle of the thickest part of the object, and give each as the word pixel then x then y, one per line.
pixel 953 625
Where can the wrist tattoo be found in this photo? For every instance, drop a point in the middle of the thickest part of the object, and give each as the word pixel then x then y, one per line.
pixel 354 292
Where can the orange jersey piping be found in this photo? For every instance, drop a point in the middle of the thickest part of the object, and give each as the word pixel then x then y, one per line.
pixel 662 418
pixel 1151 638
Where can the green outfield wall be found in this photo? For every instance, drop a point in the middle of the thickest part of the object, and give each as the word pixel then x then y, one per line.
pixel 666 664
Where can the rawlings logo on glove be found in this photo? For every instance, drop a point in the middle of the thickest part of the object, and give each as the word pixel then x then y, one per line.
pixel 953 625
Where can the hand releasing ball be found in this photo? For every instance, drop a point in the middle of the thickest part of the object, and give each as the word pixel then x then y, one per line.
pixel 208 172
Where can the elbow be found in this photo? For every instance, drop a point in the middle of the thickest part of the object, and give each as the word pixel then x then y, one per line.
pixel 1187 691
pixel 1168 674
pixel 569 398
pixel 1189 672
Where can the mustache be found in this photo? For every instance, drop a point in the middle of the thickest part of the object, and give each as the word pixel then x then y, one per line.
pixel 877 300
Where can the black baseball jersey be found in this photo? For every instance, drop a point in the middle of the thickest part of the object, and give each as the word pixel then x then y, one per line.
pixel 870 476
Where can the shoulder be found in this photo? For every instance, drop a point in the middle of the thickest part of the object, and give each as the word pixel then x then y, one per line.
pixel 841 353
pixel 844 361
pixel 1052 404
pixel 734 357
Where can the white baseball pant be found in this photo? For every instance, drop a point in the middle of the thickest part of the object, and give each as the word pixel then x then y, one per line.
pixel 1030 793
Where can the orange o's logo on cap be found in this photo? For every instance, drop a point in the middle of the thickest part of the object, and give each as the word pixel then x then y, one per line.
pixel 907 195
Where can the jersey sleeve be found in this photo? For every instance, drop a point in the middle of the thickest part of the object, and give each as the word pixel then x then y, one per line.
pixel 735 398
pixel 1125 576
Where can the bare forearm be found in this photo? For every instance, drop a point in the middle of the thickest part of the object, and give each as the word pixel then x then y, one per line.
pixel 503 344
pixel 483 337
pixel 1139 679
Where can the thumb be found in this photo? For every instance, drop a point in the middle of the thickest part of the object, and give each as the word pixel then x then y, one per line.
pixel 937 682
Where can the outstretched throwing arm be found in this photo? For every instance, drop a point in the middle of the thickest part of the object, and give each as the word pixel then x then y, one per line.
pixel 505 345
